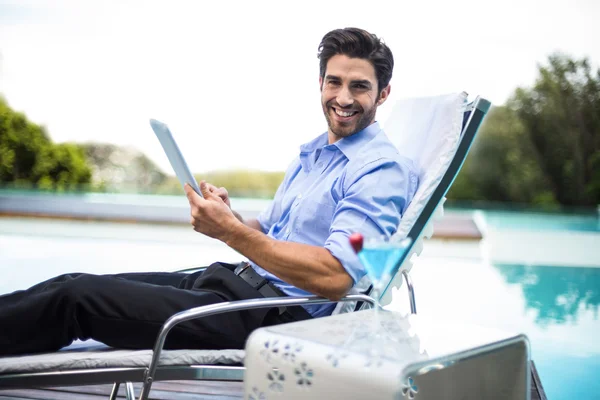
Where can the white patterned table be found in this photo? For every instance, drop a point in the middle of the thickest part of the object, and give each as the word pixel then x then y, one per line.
pixel 337 358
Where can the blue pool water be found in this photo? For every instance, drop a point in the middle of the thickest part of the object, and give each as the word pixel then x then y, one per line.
pixel 543 221
pixel 563 304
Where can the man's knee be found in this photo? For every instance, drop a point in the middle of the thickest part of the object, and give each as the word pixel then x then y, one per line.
pixel 74 286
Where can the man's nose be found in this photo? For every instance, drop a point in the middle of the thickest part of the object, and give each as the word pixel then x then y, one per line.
pixel 344 97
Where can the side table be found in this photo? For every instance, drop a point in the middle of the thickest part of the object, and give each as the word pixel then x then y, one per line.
pixel 345 357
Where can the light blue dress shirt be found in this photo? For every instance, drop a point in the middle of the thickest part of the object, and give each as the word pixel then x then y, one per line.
pixel 357 184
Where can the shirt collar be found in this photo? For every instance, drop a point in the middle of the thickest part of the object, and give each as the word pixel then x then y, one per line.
pixel 352 144
pixel 349 146
pixel 309 148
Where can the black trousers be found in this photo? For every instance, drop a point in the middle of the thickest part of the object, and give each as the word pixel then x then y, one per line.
pixel 128 310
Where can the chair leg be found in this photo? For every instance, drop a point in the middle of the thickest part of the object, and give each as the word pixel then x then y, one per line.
pixel 411 292
pixel 115 391
pixel 129 392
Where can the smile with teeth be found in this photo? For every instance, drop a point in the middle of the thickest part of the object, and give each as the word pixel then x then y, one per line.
pixel 344 114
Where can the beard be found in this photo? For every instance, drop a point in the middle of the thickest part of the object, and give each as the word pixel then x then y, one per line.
pixel 344 129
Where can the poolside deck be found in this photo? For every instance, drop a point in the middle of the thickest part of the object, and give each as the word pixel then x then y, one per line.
pixel 456 226
pixel 177 390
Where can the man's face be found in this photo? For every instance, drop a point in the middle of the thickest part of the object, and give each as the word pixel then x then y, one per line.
pixel 349 95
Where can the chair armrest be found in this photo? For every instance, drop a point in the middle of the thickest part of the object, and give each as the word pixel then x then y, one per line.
pixel 192 269
pixel 199 312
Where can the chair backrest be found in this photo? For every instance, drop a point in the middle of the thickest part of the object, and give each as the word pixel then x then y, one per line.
pixel 427 131
pixel 439 151
pixel 436 133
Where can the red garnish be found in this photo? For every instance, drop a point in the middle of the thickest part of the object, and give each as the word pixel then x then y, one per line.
pixel 356 241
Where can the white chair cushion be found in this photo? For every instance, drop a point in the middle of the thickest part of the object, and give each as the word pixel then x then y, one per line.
pixel 427 131
pixel 91 354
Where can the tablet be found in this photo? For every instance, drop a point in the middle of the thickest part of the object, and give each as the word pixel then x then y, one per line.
pixel 174 155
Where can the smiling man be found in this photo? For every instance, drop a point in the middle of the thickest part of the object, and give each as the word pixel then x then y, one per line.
pixel 348 179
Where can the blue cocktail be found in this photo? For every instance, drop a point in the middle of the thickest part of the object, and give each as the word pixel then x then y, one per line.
pixel 380 256
pixel 379 260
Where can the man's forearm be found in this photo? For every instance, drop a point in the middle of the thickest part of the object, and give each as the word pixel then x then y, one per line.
pixel 311 268
pixel 251 222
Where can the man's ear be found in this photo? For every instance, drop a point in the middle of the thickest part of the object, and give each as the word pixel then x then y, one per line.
pixel 384 95
pixel 320 83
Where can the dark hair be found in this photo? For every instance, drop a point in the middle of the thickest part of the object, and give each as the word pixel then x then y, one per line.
pixel 358 43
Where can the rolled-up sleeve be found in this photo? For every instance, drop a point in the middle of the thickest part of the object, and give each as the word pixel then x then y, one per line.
pixel 374 199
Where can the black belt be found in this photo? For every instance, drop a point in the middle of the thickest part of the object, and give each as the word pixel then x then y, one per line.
pixel 245 271
pixel 252 278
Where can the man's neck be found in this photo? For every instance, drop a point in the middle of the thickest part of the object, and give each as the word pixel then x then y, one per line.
pixel 332 137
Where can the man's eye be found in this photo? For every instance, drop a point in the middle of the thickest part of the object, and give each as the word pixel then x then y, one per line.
pixel 334 83
pixel 361 86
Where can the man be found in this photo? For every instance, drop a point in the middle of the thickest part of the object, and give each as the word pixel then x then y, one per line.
pixel 349 179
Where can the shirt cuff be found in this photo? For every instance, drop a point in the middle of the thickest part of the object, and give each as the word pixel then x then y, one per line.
pixel 338 244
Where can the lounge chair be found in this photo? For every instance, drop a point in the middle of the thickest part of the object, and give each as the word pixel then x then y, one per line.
pixel 445 126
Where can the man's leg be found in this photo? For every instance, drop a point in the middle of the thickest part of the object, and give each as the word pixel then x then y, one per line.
pixel 122 312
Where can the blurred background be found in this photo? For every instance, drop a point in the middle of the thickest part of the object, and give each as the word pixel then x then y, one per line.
pixel 85 186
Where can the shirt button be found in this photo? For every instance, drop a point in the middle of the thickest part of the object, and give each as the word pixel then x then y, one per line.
pixel 319 164
pixel 288 231
pixel 299 196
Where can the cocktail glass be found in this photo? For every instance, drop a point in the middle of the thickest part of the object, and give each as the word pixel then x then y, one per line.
pixel 380 256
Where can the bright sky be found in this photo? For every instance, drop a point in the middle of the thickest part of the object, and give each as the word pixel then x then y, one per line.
pixel 237 81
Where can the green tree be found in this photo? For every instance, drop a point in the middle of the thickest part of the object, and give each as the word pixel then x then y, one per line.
pixel 543 146
pixel 28 158
pixel 503 165
pixel 561 114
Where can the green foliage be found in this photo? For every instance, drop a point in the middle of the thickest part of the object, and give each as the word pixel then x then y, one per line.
pixel 562 116
pixel 543 146
pixel 502 166
pixel 28 158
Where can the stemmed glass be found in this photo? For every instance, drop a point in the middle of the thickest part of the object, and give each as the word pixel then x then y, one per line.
pixel 379 254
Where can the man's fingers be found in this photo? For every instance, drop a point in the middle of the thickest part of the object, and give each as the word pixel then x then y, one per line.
pixel 193 198
pixel 209 191
pixel 211 188
pixel 205 190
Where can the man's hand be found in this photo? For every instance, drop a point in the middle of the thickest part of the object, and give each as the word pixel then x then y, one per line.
pixel 221 192
pixel 211 215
